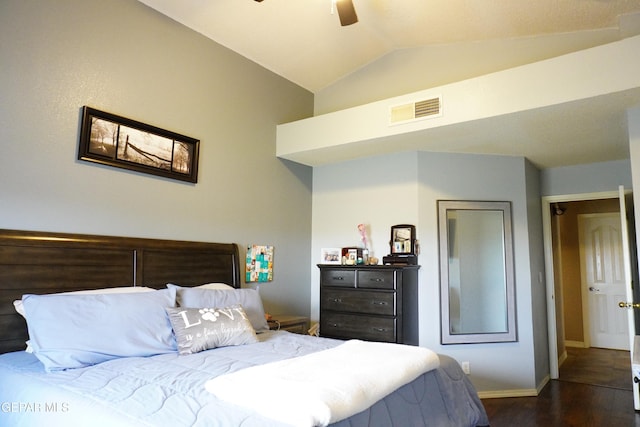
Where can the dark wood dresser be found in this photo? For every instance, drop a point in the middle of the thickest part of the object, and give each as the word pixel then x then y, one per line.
pixel 369 302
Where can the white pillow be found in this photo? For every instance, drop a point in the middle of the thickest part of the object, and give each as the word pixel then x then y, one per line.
pixel 219 286
pixel 17 304
pixel 215 286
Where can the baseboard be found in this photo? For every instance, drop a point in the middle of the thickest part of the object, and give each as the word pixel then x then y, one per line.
pixel 498 394
pixel 527 392
pixel 544 382
pixel 562 358
pixel 578 344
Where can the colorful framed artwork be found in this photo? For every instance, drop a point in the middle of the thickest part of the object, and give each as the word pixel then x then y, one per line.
pixel 259 265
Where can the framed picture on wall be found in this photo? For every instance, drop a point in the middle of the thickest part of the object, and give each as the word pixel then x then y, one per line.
pixel 259 266
pixel 113 140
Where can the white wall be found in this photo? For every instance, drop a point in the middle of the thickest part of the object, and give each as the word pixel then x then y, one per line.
pixel 574 79
pixel 122 57
pixel 412 69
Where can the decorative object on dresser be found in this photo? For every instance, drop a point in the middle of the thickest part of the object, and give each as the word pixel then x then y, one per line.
pixel 284 322
pixel 403 245
pixel 331 256
pixel 374 303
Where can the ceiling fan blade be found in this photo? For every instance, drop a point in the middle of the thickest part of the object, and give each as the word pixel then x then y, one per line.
pixel 346 12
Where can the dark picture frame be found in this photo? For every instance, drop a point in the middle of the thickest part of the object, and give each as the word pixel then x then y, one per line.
pixel 112 140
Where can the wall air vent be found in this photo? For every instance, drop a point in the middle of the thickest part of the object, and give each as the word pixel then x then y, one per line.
pixel 426 108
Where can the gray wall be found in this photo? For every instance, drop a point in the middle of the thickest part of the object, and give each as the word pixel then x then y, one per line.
pixel 499 367
pixel 404 188
pixel 122 57
pixel 538 285
pixel 589 178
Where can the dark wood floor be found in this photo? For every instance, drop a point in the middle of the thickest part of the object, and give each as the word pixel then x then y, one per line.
pixel 594 389
pixel 597 366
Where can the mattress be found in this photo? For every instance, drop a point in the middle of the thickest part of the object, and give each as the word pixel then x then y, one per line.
pixel 168 390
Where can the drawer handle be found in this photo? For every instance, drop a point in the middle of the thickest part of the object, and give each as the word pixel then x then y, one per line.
pixel 336 300
pixel 376 279
pixel 337 278
pixel 334 325
pixel 379 303
pixel 380 329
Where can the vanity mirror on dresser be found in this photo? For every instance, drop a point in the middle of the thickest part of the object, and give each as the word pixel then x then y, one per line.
pixel 369 302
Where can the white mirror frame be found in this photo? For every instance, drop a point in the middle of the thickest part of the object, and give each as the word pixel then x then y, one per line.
pixel 489 336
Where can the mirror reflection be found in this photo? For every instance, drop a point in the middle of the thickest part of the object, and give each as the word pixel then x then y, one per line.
pixel 476 263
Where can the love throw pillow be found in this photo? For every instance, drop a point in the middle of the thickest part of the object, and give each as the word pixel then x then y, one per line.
pixel 198 329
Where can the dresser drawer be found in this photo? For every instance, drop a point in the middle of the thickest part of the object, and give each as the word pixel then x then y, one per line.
pixel 337 277
pixel 368 302
pixel 376 279
pixel 346 326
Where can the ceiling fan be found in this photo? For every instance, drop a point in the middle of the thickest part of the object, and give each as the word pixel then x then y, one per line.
pixel 346 11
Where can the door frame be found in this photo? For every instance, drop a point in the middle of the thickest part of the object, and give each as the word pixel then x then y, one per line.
pixel 552 324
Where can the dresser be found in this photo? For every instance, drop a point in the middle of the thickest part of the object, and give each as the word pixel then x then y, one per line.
pixel 369 302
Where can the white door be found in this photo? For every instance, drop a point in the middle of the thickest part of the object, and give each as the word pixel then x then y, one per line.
pixel 603 280
pixel 631 272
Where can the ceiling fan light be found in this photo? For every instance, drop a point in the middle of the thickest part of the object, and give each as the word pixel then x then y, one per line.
pixel 346 12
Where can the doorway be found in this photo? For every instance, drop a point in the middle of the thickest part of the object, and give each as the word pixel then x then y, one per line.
pixel 578 358
pixel 565 317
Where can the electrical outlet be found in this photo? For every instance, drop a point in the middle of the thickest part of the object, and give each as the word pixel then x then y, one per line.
pixel 465 368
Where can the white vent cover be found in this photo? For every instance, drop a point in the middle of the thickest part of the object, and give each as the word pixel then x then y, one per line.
pixel 426 108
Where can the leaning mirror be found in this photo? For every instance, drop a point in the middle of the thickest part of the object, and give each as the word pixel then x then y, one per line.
pixel 476 272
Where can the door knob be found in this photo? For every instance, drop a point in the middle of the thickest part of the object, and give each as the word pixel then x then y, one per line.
pixel 592 289
pixel 623 304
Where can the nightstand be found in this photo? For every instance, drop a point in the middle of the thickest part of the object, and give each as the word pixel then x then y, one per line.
pixel 295 324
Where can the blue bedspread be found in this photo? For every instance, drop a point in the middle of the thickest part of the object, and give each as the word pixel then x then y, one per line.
pixel 168 390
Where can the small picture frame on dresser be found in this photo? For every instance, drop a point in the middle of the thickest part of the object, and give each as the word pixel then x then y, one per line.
pixel 330 256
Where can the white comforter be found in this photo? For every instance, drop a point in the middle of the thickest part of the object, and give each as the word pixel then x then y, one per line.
pixel 325 387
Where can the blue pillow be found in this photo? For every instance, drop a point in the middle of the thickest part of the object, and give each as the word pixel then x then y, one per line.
pixel 249 299
pixel 73 331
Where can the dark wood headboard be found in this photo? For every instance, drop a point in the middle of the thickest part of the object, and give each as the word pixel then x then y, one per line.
pixel 40 263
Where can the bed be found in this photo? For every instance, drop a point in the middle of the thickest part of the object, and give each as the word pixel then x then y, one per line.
pixel 146 376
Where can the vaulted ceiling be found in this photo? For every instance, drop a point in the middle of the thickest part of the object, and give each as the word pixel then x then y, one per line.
pixel 303 41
